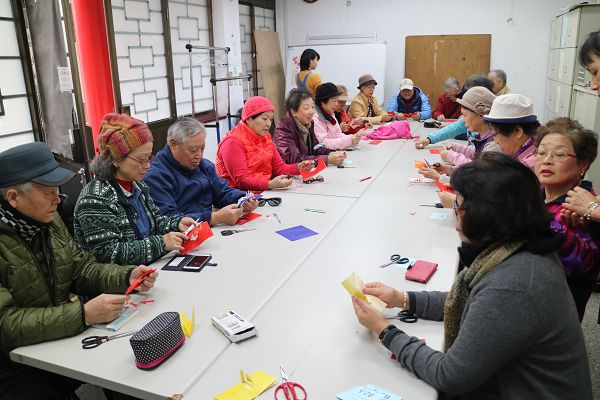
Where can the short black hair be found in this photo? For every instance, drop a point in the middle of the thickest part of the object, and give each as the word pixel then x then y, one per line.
pixel 502 203
pixel 305 58
pixel 585 141
pixel 295 98
pixel 529 128
pixel 478 80
pixel 589 47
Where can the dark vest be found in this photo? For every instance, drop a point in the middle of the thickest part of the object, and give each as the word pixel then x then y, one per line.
pixel 413 107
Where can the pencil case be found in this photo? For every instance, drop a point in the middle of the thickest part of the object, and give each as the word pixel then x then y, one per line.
pixel 158 340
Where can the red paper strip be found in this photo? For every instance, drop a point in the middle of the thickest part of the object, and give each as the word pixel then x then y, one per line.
pixel 197 236
pixel 435 151
pixel 320 167
pixel 444 188
pixel 147 301
pixel 247 218
pixel 375 142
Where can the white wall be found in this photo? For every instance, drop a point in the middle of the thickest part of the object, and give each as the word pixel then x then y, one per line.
pixel 519 46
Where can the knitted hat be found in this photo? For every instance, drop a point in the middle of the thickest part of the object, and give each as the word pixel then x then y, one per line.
pixel 120 134
pixel 406 84
pixel 256 105
pixel 511 109
pixel 477 99
pixel 343 92
pixel 326 91
pixel 366 79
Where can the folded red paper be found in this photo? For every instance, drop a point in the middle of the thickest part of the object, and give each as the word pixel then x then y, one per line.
pixel 444 188
pixel 247 218
pixel 320 167
pixel 375 142
pixel 198 235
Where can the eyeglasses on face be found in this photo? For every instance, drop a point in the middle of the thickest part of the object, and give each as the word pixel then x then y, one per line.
pixel 457 207
pixel 558 156
pixel 143 162
pixel 317 178
pixel 273 201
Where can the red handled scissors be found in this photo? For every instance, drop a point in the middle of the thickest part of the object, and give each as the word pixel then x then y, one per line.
pixel 290 389
pixel 138 282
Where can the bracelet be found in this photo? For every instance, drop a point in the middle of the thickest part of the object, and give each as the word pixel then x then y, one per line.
pixel 405 301
pixel 590 209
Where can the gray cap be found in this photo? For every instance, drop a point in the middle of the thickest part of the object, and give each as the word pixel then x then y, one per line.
pixel 32 162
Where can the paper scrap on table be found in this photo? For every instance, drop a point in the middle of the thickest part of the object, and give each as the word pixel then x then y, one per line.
pixel 247 218
pixel 186 325
pixel 198 235
pixel 249 388
pixel 375 142
pixel 346 162
pixel 435 151
pixel 439 215
pixel 421 180
pixel 367 392
pixel 296 233
pixel 444 188
pixel 320 167
pixel 354 284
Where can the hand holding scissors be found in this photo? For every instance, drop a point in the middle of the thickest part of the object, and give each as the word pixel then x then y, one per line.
pixel 290 389
pixel 92 342
pixel 229 232
pixel 396 259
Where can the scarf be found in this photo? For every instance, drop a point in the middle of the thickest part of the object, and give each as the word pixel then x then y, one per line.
pixel 370 109
pixel 26 227
pixel 458 296
pixel 328 117
pixel 303 130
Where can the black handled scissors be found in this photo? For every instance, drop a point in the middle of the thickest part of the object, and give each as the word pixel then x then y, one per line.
pixel 92 342
pixel 405 316
pixel 229 232
pixel 396 259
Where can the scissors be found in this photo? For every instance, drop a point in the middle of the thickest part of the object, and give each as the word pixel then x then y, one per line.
pixel 290 389
pixel 396 259
pixel 92 342
pixel 229 232
pixel 405 316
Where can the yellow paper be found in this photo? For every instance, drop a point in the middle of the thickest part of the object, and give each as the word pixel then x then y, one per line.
pixel 249 388
pixel 354 285
pixel 186 325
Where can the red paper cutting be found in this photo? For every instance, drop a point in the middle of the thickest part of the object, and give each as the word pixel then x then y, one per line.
pixel 320 167
pixel 375 142
pixel 197 236
pixel 247 218
pixel 435 151
pixel 444 188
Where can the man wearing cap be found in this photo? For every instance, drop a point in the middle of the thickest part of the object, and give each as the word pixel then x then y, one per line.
pixel 182 182
pixel 410 100
pixel 365 105
pixel 498 76
pixel 40 265
pixel 347 125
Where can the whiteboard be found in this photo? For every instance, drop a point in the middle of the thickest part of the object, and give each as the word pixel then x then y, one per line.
pixel 342 64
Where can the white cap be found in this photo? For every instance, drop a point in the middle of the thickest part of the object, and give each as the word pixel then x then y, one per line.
pixel 511 109
pixel 406 84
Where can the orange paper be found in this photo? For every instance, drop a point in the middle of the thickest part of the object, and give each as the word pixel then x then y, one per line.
pixel 320 167
pixel 420 165
pixel 247 218
pixel 435 151
pixel 198 235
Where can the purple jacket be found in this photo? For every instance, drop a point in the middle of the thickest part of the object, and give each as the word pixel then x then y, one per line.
pixel 291 146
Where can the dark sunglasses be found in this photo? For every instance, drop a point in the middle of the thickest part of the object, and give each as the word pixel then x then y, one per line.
pixel 273 201
pixel 317 178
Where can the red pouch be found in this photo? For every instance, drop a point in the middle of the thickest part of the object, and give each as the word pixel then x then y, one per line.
pixel 420 271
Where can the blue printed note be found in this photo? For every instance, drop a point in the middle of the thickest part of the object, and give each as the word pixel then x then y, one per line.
pixel 439 215
pixel 367 392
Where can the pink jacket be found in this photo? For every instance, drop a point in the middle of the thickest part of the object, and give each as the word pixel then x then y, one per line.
pixel 464 153
pixel 330 135
pixel 395 130
pixel 528 158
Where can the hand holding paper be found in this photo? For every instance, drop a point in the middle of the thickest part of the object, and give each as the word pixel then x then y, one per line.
pixel 354 285
pixel 320 166
pixel 198 235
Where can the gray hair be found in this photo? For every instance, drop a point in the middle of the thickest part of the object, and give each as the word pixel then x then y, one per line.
pixel 102 168
pixel 451 82
pixel 184 128
pixel 21 187
pixel 500 74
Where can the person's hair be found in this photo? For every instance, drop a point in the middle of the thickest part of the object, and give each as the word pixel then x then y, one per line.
pixel 478 80
pixel 589 47
pixel 102 167
pixel 585 141
pixel 500 74
pixel 529 128
pixel 305 58
pixel 21 187
pixel 451 82
pixel 184 128
pixel 502 200
pixel 295 98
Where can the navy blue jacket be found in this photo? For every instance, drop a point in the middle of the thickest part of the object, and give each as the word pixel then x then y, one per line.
pixel 177 190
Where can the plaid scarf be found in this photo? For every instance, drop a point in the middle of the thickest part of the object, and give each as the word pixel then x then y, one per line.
pixel 370 109
pixel 458 296
pixel 303 130
pixel 23 225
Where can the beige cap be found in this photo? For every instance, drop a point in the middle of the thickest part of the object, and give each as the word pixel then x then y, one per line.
pixel 511 109
pixel 343 92
pixel 477 99
pixel 406 84
pixel 366 78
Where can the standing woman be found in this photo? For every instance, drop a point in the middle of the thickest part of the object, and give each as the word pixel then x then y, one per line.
pixel 365 105
pixel 115 217
pixel 565 151
pixel 247 157
pixel 307 79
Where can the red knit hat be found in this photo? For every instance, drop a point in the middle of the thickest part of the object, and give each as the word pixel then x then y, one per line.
pixel 120 134
pixel 256 105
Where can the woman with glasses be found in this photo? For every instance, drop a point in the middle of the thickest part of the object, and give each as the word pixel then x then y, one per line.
pixel 510 326
pixel 565 151
pixel 115 217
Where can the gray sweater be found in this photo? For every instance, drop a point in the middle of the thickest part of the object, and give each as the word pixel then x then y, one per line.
pixel 519 338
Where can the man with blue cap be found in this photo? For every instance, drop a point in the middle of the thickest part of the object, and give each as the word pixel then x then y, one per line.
pixel 40 266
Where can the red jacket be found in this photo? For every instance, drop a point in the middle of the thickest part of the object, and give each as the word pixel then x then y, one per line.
pixel 343 116
pixel 450 109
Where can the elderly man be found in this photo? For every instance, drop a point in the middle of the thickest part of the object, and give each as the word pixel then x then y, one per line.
pixel 498 76
pixel 40 266
pixel 183 183
pixel 410 100
pixel 447 107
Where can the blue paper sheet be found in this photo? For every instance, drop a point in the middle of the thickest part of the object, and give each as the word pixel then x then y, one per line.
pixel 367 392
pixel 296 233
pixel 439 215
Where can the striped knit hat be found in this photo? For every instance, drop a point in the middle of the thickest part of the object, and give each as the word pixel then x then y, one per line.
pixel 120 134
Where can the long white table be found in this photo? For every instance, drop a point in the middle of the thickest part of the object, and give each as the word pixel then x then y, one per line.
pixel 290 290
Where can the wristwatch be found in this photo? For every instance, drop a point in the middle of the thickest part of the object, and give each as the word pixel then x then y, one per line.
pixel 385 331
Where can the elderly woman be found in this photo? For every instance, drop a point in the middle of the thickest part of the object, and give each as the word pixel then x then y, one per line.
pixel 295 134
pixel 446 106
pixel 514 127
pixel 510 326
pixel 410 100
pixel 327 129
pixel 365 105
pixel 347 125
pixel 115 217
pixel 247 158
pixel 565 151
